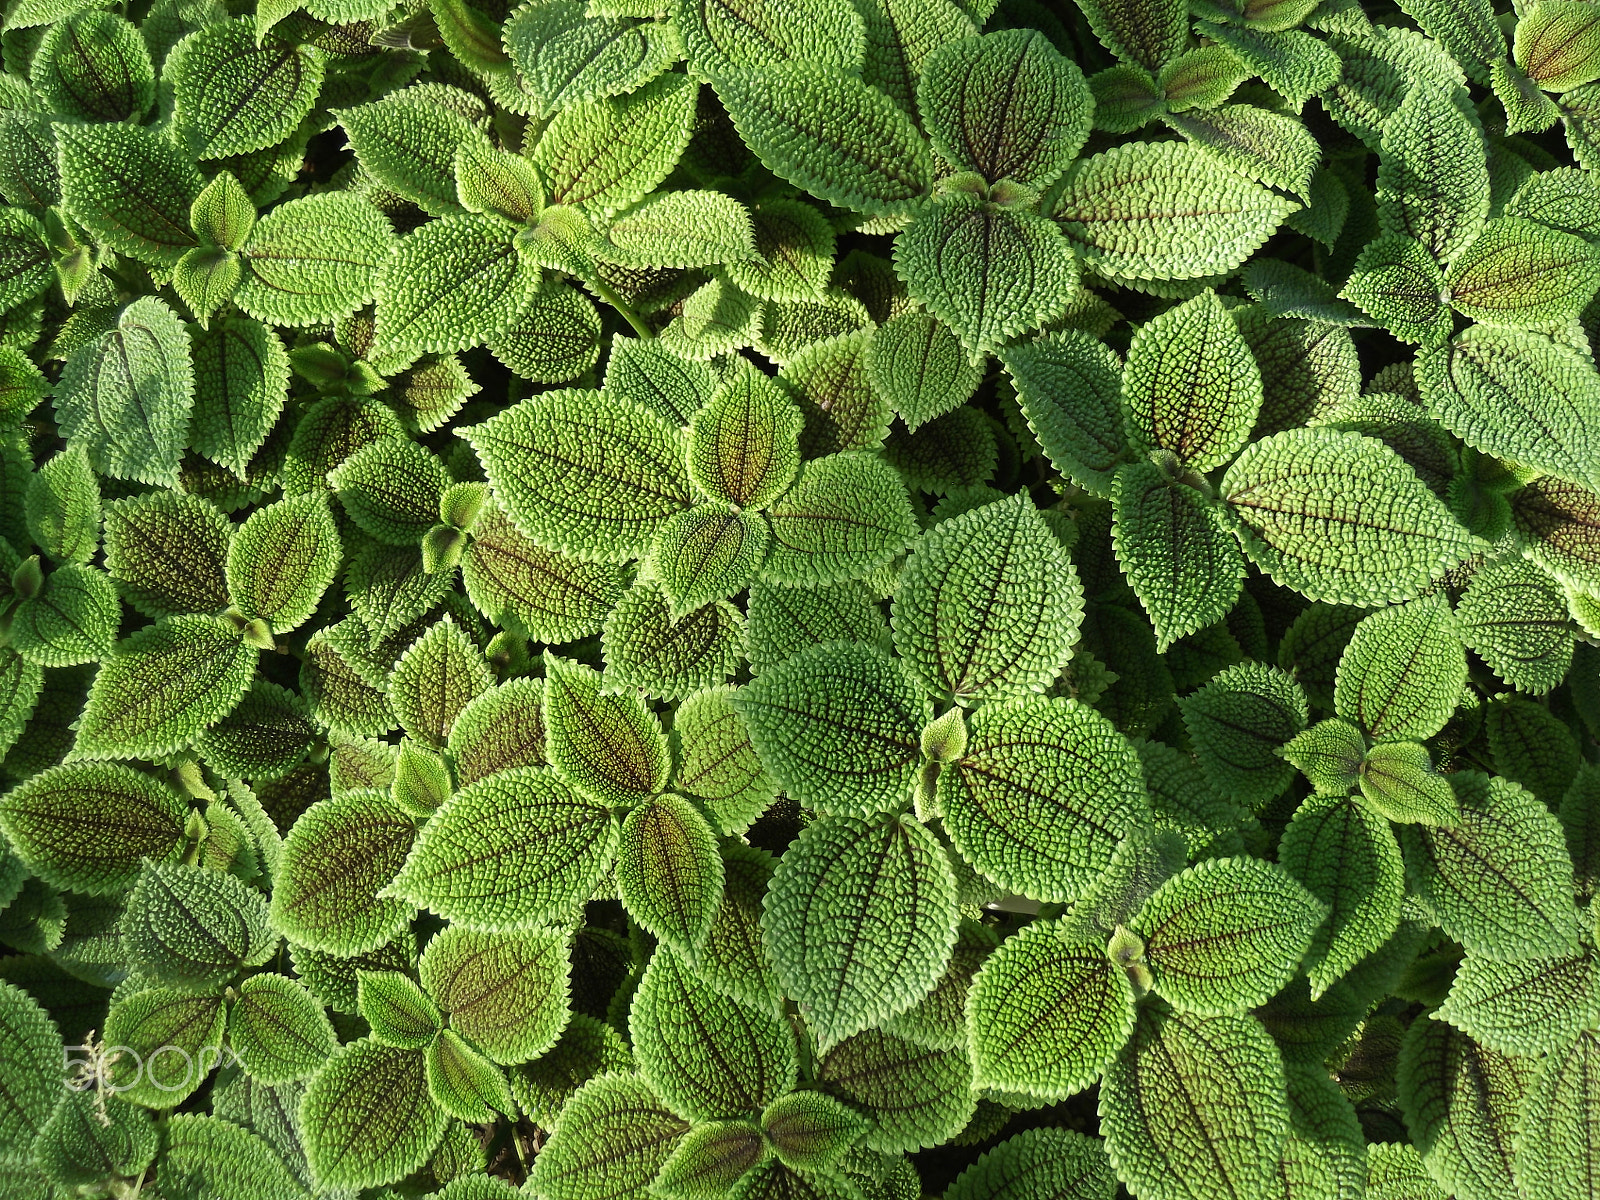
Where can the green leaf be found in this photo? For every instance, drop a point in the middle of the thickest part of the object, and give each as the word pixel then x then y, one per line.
pixel 1398 780
pixel 917 364
pixel 72 620
pixel 130 187
pixel 1557 44
pixel 680 229
pixel 1559 523
pixel 593 479
pixel 1346 856
pixel 839 725
pixel 744 444
pixel 1164 210
pixel 734 960
pixel 846 516
pixel 21 683
pixel 1196 1107
pixel 1532 746
pixel 31 1061
pixel 1433 182
pixel 786 620
pixel 1069 385
pixel 830 133
pixel 1007 105
pixel 555 337
pixel 1499 880
pixel 794 252
pixel 669 874
pixel 81 1144
pixel 1518 273
pixel 1227 934
pixel 407 141
pixel 126 396
pixel 602 155
pixel 87 826
pixel 645 648
pixel 860 920
pixel 335 859
pixel 1001 558
pixel 710 1160
pixel 435 679
pixel 706 553
pixel 1516 395
pixel 1191 385
pixel 505 992
pixel 1305 522
pixel 24 258
pixel 1267 146
pixel 278 1029
pixel 1515 618
pixel 566 59
pixel 391 489
pixel 1528 1008
pixel 311 260
pixel 542 594
pixel 514 851
pixel 915 1096
pixel 652 377
pixel 396 1009
pixel 608 745
pixel 175 1039
pixel 241 381
pixel 811 1131
pixel 233 93
pixel 95 67
pixel 282 560
pixel 1461 1104
pixel 205 1156
pixel 499 730
pixel 163 686
pixel 63 507
pixel 758 33
pixel 1046 1015
pixel 1043 794
pixel 453 284
pixel 1237 723
pixel 1400 677
pixel 195 928
pixel 1178 555
pixel 464 1083
pixel 1556 1143
pixel 611 1139
pixel 1150 33
pixel 705 1055
pixel 367 1118
pixel 1395 1172
pixel 1397 282
pixel 987 271
pixel 1036 1164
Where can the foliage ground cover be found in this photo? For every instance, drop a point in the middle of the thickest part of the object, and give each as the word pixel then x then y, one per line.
pixel 799 600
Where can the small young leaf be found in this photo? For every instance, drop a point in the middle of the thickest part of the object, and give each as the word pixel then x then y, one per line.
pixel 63 507
pixel 811 1131
pixel 175 1038
pixel 453 284
pixel 465 1084
pixel 506 992
pixel 716 762
pixel 435 679
pixel 646 648
pixel 744 444
pixel 241 381
pixel 860 921
pixel 705 554
pixel 542 594
pixel 408 140
pixel 396 1009
pixel 846 516
pixel 1398 282
pixel 917 364
pixel 1046 1015
pixel 1330 755
pixel 367 1118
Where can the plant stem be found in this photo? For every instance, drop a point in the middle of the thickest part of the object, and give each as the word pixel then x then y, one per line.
pixel 615 301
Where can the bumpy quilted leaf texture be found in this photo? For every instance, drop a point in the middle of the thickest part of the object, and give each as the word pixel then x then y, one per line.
pixel 1514 617
pixel 233 96
pixel 282 560
pixel 368 1117
pixel 612 1138
pixel 669 874
pixel 505 992
pixel 1530 1008
pixel 744 444
pixel 314 259
pixel 847 970
pixel 1237 722
pixel 193 927
pixel 1401 675
pixel 1432 174
pixel 1306 520
pixel 998 559
pixel 1556 1144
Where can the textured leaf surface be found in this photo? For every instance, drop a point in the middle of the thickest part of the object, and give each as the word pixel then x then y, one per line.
pixel 234 95
pixel 744 445
pixel 1514 617
pixel 278 1029
pixel 860 921
pixel 612 1138
pixel 1528 1008
pixel 1069 386
pixel 1401 675
pixel 846 516
pixel 608 745
pixel 192 927
pixel 1398 780
pixel 30 1068
pixel 1238 721
pixel 367 1116
pixel 505 992
pixel 1432 174
pixel 282 559
pixel 915 1096
pixel 669 874
pixel 1558 1146
pixel 605 154
pixel 130 187
pixel 314 259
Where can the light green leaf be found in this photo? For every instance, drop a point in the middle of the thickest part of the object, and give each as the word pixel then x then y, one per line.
pixel 1518 273
pixel 1528 1008
pixel 126 396
pixel 407 141
pixel 1433 181
pixel 1395 1172
pixel 830 382
pixel 680 229
pixel 465 1084
pixel 705 1055
pixel 1330 755
pixel 542 594
pixel 1515 618
pixel 233 95
pixel 759 33
pixel 1191 384
pixel 1001 558
pixel 25 268
pixel 603 155
pixel 1069 385
pixel 130 187
pixel 830 133
pixel 195 928
pixel 669 874
pixel 608 745
pixel 1398 780
pixel 566 59
pixel 396 1009
pixel 74 1147
pixel 391 489
pixel 367 1118
pixel 1461 1103
pixel 1150 33
pixel 314 259
pixel 1346 856
pixel 1399 284
pixel 73 619
pixel 498 730
pixel 63 507
pixel 1180 559
pixel 1196 1107
pixel 282 560
pixel 435 679
pixel 453 284
pixel 505 992
pixel 1401 675
pixel 1164 210
pixel 706 553
pixel 713 1157
pixel 1557 44
pixel 860 920
pixel 1532 746
pixel 163 686
pixel 594 479
pixel 652 377
pixel 554 339
pixel 1559 523
pixel 1037 1164
pixel 1047 1014
pixel 1556 1143
pixel 839 725
pixel 204 1156
pixel 916 1097
pixel 744 444
pixel 1041 797
pixel 1268 146
pixel 794 252
pixel 1237 723
pixel 87 826
pixel 811 1131
pixel 611 1139
pixel 1499 881
pixel 987 271
pixel 645 648
pixel 1340 517
pixel 716 762
pixel 278 1029
pixel 515 851
pixel 241 381
pixel 917 364
pixel 148 1020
